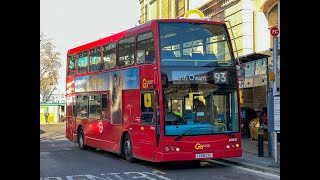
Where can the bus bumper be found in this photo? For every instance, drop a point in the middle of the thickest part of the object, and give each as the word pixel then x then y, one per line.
pixel 190 156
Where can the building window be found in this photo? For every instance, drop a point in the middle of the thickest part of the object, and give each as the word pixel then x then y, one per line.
pixel 180 8
pixel 146 13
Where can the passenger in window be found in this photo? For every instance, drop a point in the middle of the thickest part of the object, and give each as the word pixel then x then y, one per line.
pixel 198 106
pixel 104 114
pixel 177 111
pixel 200 110
pixel 215 112
pixel 150 56
pixel 83 113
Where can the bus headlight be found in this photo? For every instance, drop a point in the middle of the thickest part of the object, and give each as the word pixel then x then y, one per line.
pixel 172 148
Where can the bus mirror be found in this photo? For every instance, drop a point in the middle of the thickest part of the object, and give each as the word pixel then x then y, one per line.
pixel 238 67
pixel 147 100
pixel 164 80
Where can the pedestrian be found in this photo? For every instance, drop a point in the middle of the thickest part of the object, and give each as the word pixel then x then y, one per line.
pixel 200 109
pixel 62 118
pixel 263 120
pixel 46 115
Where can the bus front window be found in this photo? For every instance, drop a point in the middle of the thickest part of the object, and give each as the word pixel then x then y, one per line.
pixel 204 110
pixel 194 44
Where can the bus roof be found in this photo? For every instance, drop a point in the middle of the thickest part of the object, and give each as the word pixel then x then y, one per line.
pixel 117 36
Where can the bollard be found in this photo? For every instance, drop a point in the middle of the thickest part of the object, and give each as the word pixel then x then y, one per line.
pixel 260 142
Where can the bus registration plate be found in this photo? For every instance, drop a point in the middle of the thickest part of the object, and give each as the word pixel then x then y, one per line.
pixel 204 155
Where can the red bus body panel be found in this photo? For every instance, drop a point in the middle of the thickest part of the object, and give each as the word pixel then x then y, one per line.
pixel 104 135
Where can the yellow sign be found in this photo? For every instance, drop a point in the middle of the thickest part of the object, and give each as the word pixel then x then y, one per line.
pixel 147 100
pixel 271 76
pixel 241 97
pixel 194 12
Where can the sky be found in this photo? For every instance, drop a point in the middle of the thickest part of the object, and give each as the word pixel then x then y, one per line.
pixel 71 23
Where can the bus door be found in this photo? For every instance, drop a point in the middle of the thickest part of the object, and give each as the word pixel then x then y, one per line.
pixel 102 125
pixel 92 123
pixel 70 117
pixel 147 130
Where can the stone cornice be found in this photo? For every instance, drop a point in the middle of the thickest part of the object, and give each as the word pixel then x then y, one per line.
pixel 228 2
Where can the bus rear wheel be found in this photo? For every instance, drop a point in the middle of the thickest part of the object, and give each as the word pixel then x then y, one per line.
pixel 82 146
pixel 127 149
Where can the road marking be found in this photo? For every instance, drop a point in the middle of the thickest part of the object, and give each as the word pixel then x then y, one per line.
pixel 44 153
pixel 112 176
pixel 158 171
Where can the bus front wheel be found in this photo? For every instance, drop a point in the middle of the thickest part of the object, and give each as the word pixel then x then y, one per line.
pixel 81 139
pixel 127 149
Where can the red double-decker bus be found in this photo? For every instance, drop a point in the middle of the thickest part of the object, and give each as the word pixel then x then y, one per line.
pixel 166 90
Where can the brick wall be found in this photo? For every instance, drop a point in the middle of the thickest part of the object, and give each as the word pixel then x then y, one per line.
pixel 254 97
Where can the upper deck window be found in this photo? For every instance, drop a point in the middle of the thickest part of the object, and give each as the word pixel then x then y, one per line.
pixel 72 64
pixel 82 62
pixel 145 48
pixel 95 59
pixel 126 51
pixel 109 56
pixel 194 44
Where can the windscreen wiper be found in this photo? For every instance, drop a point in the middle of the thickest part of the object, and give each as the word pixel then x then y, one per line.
pixel 188 131
pixel 183 133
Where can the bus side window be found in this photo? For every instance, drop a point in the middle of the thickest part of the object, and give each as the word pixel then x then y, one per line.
pixel 104 106
pixel 95 58
pixel 145 48
pixel 126 51
pixel 147 111
pixel 82 62
pixel 109 56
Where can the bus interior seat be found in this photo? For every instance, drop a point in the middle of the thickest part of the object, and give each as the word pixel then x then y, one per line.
pixel 168 55
pixel 150 57
pixel 210 56
pixel 197 56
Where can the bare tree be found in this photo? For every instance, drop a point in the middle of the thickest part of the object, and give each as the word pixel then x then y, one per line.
pixel 50 63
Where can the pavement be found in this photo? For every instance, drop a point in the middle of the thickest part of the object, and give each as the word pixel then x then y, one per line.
pixel 249 159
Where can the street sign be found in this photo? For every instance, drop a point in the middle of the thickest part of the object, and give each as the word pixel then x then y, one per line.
pixel 271 76
pixel 276 113
pixel 274 31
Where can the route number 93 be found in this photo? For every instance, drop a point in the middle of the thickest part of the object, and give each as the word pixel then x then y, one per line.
pixel 220 77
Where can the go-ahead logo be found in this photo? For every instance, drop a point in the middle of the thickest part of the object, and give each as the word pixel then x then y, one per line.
pixel 199 146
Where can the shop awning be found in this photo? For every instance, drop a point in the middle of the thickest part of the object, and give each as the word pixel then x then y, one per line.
pixel 252 57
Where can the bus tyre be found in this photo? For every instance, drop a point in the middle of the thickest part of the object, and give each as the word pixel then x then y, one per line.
pixel 81 139
pixel 127 149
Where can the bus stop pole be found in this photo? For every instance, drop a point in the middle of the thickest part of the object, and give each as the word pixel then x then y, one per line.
pixel 275 93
